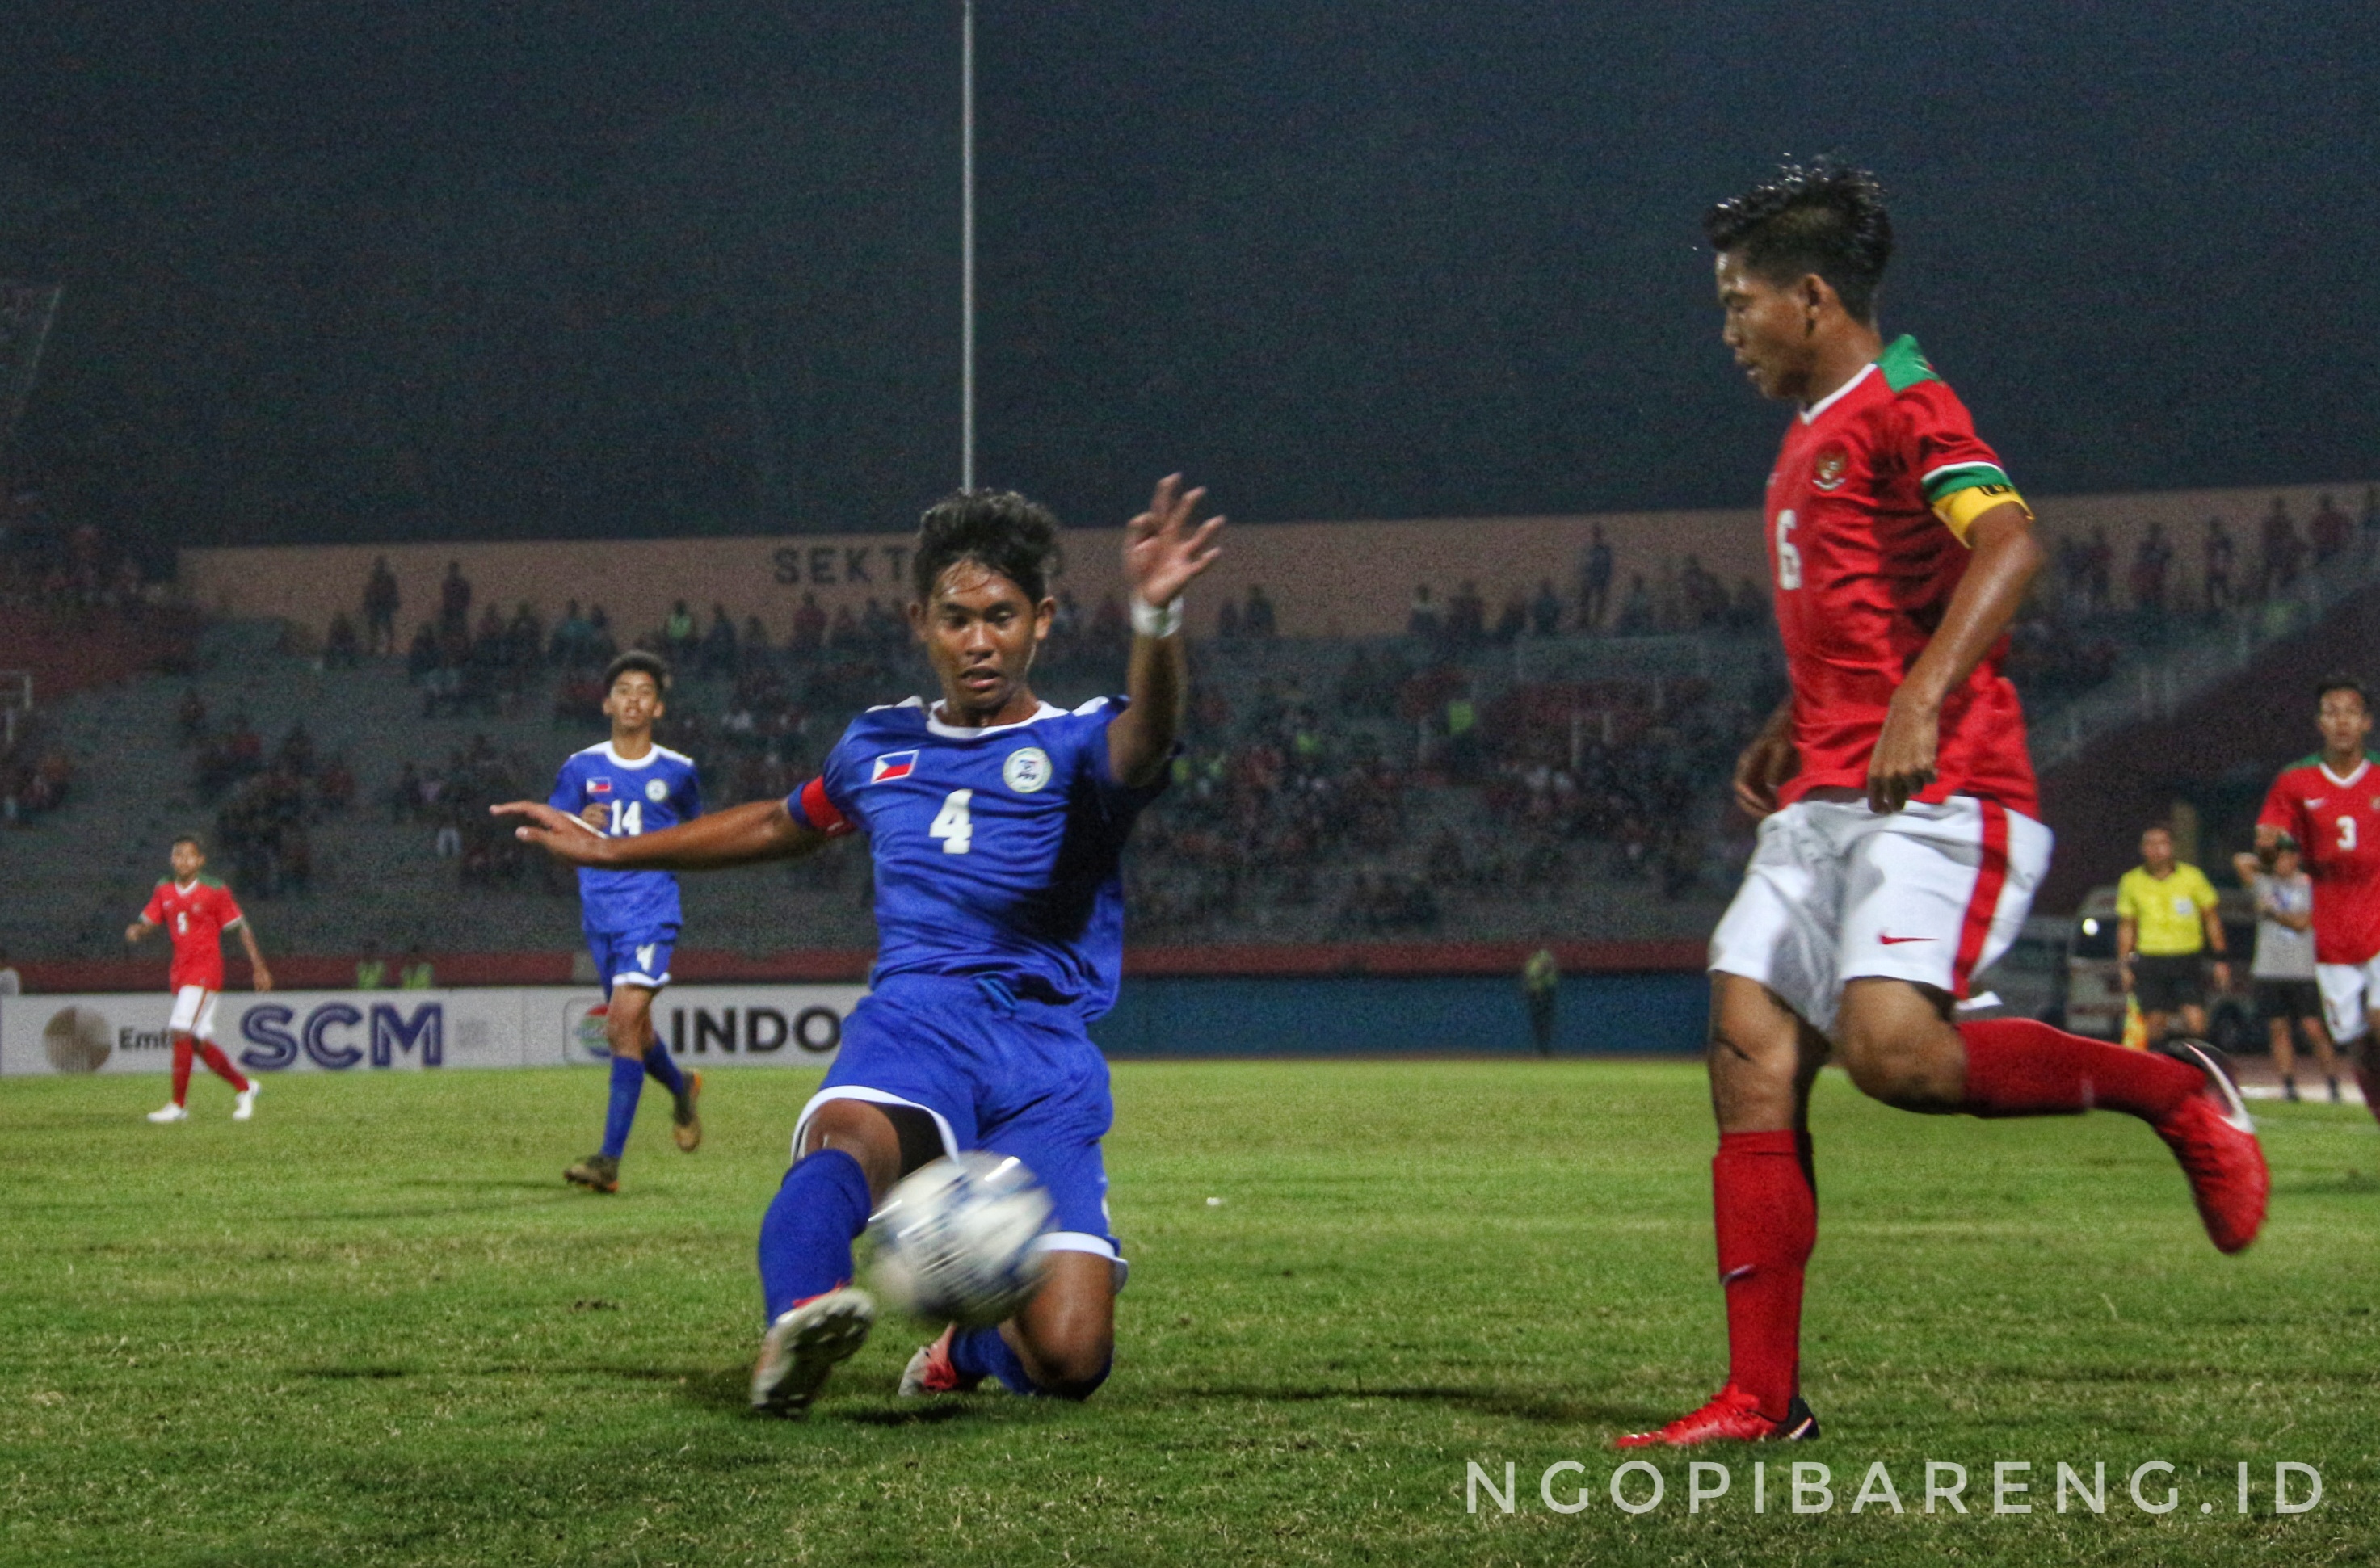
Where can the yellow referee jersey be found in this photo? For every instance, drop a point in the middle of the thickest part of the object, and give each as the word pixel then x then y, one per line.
pixel 2167 913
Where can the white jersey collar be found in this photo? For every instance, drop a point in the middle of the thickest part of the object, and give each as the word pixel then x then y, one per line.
pixel 968 731
pixel 2361 769
pixel 1811 413
pixel 647 760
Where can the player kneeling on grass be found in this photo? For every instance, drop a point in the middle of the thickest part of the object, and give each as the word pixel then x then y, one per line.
pixel 625 788
pixel 997 824
pixel 1898 850
pixel 195 910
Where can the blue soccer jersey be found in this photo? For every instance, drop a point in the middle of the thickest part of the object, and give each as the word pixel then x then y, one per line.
pixel 997 851
pixel 657 790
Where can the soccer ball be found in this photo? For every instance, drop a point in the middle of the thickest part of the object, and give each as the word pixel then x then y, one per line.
pixel 955 1239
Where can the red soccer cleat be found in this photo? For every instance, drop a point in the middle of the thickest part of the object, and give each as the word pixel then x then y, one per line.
pixel 2211 1134
pixel 929 1371
pixel 1733 1415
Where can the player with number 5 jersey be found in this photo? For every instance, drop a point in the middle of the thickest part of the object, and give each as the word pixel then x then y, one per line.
pixel 997 824
pixel 626 787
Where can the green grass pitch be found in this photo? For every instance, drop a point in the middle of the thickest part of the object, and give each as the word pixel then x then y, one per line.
pixel 375 1327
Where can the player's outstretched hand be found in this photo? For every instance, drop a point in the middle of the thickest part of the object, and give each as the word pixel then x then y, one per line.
pixel 1903 763
pixel 557 832
pixel 1161 550
pixel 259 978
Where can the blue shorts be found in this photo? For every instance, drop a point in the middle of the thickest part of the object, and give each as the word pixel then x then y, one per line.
pixel 637 958
pixel 996 1072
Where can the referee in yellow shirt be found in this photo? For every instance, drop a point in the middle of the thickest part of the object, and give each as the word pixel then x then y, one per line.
pixel 2166 923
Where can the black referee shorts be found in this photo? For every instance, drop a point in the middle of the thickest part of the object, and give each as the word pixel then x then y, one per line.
pixel 2168 982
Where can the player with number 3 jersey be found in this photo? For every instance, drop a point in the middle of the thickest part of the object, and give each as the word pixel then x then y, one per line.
pixel 626 787
pixel 2330 804
pixel 996 823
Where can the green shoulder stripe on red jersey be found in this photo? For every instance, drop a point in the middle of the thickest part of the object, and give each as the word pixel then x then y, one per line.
pixel 1955 477
pixel 1904 364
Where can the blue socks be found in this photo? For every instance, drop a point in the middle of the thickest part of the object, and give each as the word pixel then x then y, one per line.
pixel 979 1352
pixel 662 1068
pixel 806 1236
pixel 628 1082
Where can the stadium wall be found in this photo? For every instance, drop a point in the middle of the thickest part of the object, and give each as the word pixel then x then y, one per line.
pixel 1352 998
pixel 1327 580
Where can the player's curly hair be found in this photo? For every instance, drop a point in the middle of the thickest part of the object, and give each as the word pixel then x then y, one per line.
pixel 638 659
pixel 2341 681
pixel 998 530
pixel 1825 217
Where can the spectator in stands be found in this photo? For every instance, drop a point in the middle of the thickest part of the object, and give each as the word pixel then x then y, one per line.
pixel 1108 625
pixel 381 602
pixel 1636 618
pixel 678 634
pixel 1750 611
pixel 1466 617
pixel 2330 531
pixel 2284 551
pixel 342 650
pixel 602 648
pixel 372 969
pixel 2151 560
pixel 719 651
pixel 1227 620
pixel 190 718
pixel 419 974
pixel 11 982
pixel 2221 556
pixel 296 754
pixel 1258 619
pixel 454 603
pixel 843 632
pixel 2099 570
pixel 524 637
pixel 567 647
pixel 1705 599
pixel 1513 620
pixel 1424 622
pixel 755 649
pixel 881 629
pixel 1594 581
pixel 809 629
pixel 1545 610
pixel 423 658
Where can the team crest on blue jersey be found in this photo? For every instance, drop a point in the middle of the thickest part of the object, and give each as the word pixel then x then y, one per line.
pixel 1026 769
pixel 656 790
pixel 893 765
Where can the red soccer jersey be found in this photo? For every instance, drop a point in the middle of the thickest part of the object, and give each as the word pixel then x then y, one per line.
pixel 195 915
pixel 1868 509
pixel 2337 823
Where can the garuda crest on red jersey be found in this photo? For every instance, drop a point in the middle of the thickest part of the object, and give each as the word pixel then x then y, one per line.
pixel 1828 469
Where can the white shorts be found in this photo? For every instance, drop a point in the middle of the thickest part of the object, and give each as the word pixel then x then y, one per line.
pixel 2349 992
pixel 194 1012
pixel 1837 893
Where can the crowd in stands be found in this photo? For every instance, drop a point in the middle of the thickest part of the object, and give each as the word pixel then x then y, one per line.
pixel 36 773
pixel 2086 615
pixel 265 802
pixel 50 564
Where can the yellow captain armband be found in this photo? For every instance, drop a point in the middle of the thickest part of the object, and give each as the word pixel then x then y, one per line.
pixel 1961 507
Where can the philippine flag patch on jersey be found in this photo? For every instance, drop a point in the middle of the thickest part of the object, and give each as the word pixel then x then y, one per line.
pixel 893 765
pixel 599 786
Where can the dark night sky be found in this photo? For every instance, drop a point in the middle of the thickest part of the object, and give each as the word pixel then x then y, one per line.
pixel 429 269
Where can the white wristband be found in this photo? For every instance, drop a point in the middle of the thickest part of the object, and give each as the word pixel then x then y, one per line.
pixel 1154 620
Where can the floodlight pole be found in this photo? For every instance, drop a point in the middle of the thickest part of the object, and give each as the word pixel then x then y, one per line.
pixel 966 244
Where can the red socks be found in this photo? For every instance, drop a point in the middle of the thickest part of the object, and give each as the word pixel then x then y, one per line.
pixel 1766 1208
pixel 215 1060
pixel 217 1063
pixel 2018 1067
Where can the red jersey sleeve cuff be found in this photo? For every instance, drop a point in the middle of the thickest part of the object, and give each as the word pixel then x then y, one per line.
pixel 810 808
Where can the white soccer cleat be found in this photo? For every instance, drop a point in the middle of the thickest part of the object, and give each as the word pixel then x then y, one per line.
pixel 803 1346
pixel 170 1113
pixel 243 1104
